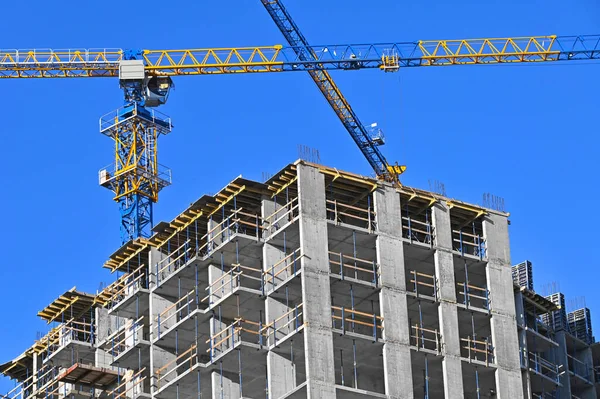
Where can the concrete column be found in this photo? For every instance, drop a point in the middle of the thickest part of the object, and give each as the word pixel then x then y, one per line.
pixel 521 319
pixel 585 355
pixel 394 309
pixel 316 291
pixel 103 324
pixel 225 385
pixel 281 371
pixel 502 307
pixel 448 312
pixel 561 359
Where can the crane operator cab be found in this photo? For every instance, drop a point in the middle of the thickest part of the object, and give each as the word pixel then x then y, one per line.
pixel 148 91
pixel 157 90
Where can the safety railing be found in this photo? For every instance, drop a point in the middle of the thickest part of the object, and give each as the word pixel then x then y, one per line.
pixel 126 338
pixel 130 388
pixel 47 381
pixel 281 270
pixel 72 331
pixel 229 281
pixel 425 338
pixel 481 350
pixel 224 231
pixel 127 285
pixel 543 366
pixel 349 320
pixel 287 323
pixel 473 296
pixel 176 312
pixel 417 230
pixel 183 362
pixel 352 215
pixel 579 368
pixel 422 283
pixel 229 336
pixel 285 214
pixel 468 243
pixel 174 260
pixel 547 395
pixel 353 267
pixel 33 385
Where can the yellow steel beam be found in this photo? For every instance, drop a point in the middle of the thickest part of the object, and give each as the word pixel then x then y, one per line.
pixel 488 51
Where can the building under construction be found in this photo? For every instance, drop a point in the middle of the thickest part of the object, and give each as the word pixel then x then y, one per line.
pixel 315 284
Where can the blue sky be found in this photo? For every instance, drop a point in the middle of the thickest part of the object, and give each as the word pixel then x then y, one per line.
pixel 527 133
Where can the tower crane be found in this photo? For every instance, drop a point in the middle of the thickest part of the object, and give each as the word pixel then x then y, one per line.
pixel 145 77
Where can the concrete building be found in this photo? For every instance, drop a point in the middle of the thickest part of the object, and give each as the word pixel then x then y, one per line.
pixel 558 359
pixel 315 284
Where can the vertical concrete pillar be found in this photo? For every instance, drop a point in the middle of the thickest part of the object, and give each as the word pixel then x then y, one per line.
pixel 561 359
pixel 316 292
pixel 502 307
pixel 225 385
pixel 448 312
pixel 394 308
pixel 281 371
pixel 521 319
pixel 585 356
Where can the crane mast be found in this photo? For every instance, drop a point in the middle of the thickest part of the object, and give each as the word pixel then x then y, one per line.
pixel 136 177
pixel 367 141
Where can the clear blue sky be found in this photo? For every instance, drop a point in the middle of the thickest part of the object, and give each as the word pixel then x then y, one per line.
pixel 527 133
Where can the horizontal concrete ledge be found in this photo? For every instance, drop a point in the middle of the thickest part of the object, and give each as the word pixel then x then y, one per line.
pixel 355 393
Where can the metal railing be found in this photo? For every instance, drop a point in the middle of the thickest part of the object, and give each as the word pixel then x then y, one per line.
pixel 350 266
pixel 286 213
pixel 174 260
pixel 417 230
pixel 349 320
pixel 423 283
pixel 183 362
pixel 126 337
pixel 131 388
pixel 425 338
pixel 477 350
pixel 287 323
pixel 469 244
pixel 349 214
pixel 229 281
pixel 178 311
pixel 35 384
pixel 473 295
pixel 281 270
pixel 543 366
pixel 126 285
pixel 71 331
pixel 229 336
pixel 579 368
